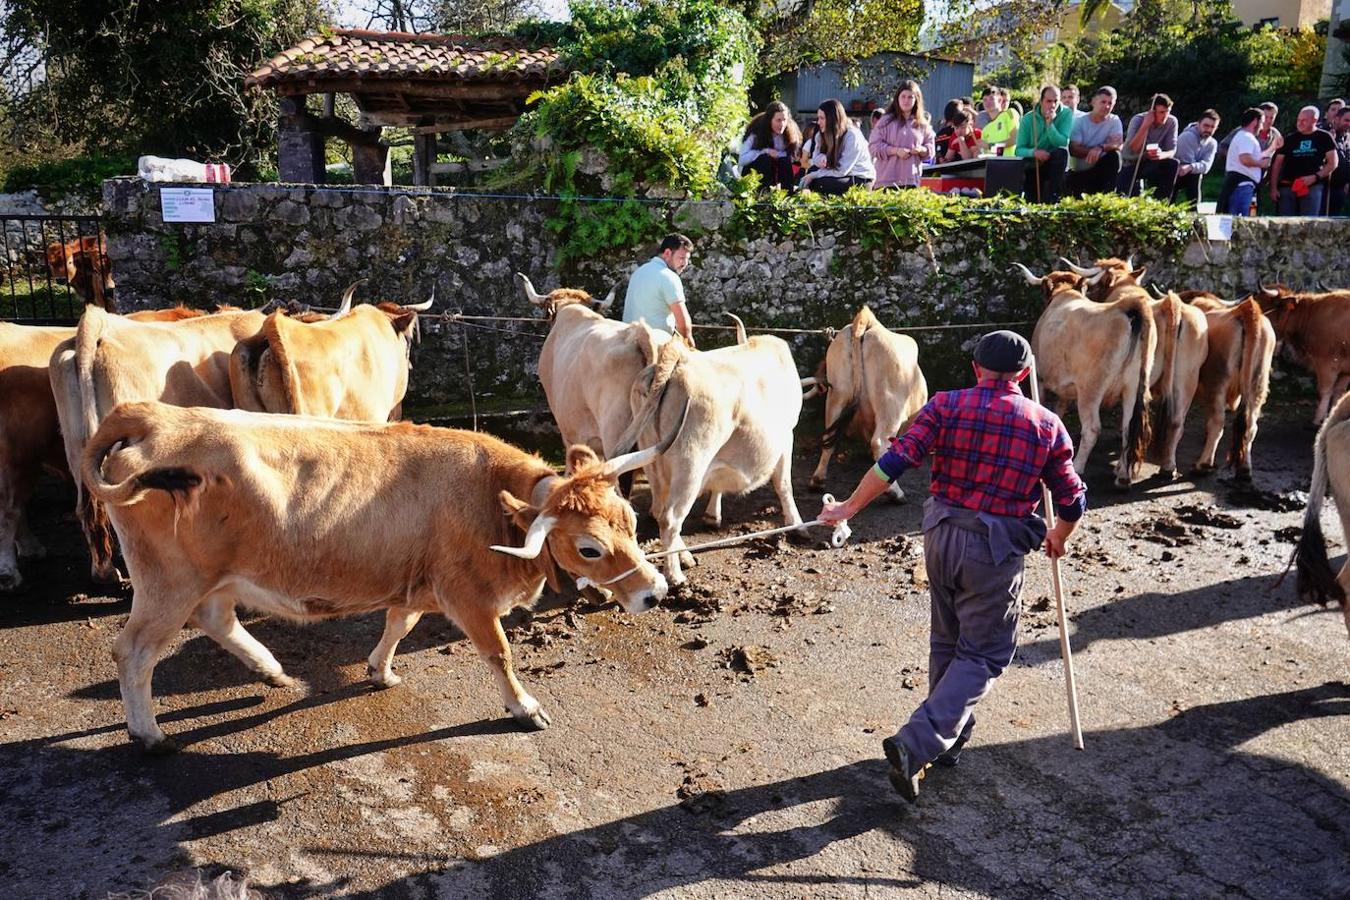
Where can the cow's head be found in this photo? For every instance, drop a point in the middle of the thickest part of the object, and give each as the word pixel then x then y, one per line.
pixel 584 527
pixel 1106 275
pixel 1052 283
pixel 1279 303
pixel 555 300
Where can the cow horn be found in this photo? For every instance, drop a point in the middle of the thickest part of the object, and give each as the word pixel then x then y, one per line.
pixel 605 304
pixel 1129 261
pixel 1269 292
pixel 1155 290
pixel 1101 273
pixel 530 293
pixel 1079 270
pixel 639 458
pixel 1026 273
pixel 424 306
pixel 534 539
pixel 346 305
pixel 740 327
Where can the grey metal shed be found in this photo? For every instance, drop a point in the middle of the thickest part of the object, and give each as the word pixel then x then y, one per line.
pixel 940 78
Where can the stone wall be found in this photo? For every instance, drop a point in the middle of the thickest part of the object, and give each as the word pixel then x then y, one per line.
pixel 305 244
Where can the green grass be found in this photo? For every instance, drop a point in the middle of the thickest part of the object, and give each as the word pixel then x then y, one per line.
pixel 19 301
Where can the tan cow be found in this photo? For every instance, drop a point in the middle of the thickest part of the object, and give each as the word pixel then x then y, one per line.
pixel 588 363
pixel 352 366
pixel 309 518
pixel 1331 469
pixel 30 438
pixel 83 263
pixel 1176 373
pixel 743 401
pixel 1314 329
pixel 111 360
pixel 1097 354
pixel 1235 377
pixel 873 388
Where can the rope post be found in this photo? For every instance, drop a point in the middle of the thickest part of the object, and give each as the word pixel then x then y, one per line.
pixel 1065 651
pixel 1036 139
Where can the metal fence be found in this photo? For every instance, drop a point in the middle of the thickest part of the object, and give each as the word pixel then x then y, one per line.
pixel 52 266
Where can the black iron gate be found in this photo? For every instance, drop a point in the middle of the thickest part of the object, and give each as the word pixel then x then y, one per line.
pixel 52 266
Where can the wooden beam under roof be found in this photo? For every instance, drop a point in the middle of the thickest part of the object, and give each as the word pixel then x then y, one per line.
pixel 359 86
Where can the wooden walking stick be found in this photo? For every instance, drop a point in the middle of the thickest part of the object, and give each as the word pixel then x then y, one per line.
pixel 1065 652
pixel 1036 139
pixel 1143 126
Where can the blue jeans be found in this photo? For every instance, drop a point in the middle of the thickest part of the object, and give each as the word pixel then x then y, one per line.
pixel 1310 204
pixel 1240 199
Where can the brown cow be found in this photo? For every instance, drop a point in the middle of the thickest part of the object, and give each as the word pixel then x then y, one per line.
pixel 315 518
pixel 1331 469
pixel 351 366
pixel 83 264
pixel 873 388
pixel 1236 376
pixel 1314 329
pixel 1098 354
pixel 30 438
pixel 1176 374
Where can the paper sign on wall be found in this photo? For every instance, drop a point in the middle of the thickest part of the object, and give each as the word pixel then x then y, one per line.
pixel 187 204
pixel 1220 227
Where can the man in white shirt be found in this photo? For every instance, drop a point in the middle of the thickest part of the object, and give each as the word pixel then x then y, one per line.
pixel 1245 164
pixel 656 294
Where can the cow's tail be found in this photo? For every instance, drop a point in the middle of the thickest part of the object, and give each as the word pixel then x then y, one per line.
pixel 1316 581
pixel 92 516
pixel 1254 378
pixel 1139 434
pixel 862 323
pixel 1167 319
pixel 651 385
pixel 127 427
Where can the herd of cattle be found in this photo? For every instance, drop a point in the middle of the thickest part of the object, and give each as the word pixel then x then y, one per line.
pixel 169 421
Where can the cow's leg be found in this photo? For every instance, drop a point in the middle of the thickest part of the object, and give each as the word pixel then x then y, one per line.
pixel 1212 402
pixel 397 623
pixel 682 491
pixel 834 405
pixel 484 630
pixel 1090 418
pixel 880 442
pixel 216 617
pixel 1182 397
pixel 782 486
pixel 156 617
pixel 1128 399
pixel 28 545
pixel 1327 376
pixel 713 514
pixel 10 579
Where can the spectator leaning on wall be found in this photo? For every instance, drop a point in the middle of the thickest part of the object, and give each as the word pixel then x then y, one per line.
pixel 1196 149
pixel 1340 179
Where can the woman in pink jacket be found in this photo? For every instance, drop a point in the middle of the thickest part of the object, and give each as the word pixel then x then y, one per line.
pixel 902 140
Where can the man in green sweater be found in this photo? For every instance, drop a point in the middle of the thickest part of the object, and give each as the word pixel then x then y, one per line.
pixel 1043 141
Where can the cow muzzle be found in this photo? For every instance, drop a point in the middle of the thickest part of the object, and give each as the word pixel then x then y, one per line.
pixel 639 600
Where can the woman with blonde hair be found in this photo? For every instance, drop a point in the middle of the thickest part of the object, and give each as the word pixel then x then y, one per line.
pixel 771 143
pixel 840 157
pixel 903 139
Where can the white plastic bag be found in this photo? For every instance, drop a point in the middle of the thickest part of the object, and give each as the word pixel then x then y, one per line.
pixel 159 168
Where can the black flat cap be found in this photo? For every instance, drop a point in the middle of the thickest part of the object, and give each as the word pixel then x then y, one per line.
pixel 1003 351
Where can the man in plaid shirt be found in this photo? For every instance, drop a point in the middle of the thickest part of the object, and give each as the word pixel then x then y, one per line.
pixel 992 448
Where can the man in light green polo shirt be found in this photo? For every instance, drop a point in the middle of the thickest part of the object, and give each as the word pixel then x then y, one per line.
pixel 1043 141
pixel 655 293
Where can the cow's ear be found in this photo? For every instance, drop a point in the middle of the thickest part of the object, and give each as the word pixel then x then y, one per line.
pixel 579 456
pixel 404 322
pixel 521 514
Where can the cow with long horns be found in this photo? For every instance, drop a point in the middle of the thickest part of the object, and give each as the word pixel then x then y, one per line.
pixel 308 518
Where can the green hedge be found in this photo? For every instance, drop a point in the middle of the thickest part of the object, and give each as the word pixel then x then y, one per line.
pixel 80 176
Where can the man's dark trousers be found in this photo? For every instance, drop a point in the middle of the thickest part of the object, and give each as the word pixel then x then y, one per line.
pixel 1051 172
pixel 1188 188
pixel 1160 173
pixel 1099 179
pixel 975 606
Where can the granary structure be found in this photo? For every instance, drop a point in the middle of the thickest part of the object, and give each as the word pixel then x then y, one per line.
pixel 430 83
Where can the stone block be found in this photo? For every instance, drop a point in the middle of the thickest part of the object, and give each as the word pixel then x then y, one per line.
pixel 291 213
pixel 237 205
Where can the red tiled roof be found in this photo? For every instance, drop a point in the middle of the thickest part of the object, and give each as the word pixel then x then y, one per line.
pixel 349 54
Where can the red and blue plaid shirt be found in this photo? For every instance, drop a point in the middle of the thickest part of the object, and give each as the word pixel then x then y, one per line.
pixel 991 449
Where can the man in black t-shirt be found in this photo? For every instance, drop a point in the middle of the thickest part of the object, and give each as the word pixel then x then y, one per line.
pixel 1340 179
pixel 1302 167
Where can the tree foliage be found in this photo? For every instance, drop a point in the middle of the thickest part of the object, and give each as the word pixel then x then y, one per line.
pixel 122 76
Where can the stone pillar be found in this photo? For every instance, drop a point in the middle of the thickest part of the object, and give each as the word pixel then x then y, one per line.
pixel 299 150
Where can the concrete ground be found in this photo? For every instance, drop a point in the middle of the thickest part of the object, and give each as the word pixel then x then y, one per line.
pixel 727 743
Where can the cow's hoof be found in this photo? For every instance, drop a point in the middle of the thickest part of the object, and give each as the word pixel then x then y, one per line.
pixel 1123 483
pixel 676 579
pixel 895 494
pixel 817 484
pixel 1243 475
pixel 162 747
pixel 1202 471
pixel 713 521
pixel 381 680
pixel 1167 474
pixel 687 559
pixel 532 721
